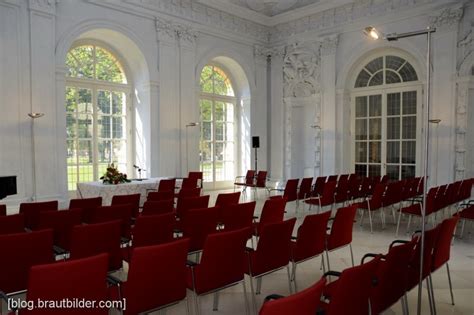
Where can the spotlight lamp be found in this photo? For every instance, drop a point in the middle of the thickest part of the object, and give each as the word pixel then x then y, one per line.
pixel 371 32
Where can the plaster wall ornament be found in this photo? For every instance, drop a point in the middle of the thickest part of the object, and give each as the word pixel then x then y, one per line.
pixel 329 45
pixel 448 18
pixel 461 127
pixel 466 48
pixel 301 70
pixel 43 6
pixel 186 34
pixel 165 30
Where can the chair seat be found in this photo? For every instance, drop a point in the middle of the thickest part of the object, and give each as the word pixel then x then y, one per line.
pixel 414 209
pixel 467 213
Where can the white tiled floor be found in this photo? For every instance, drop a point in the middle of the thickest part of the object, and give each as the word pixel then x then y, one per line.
pixel 461 264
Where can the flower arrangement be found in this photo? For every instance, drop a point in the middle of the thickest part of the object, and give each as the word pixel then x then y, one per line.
pixel 113 176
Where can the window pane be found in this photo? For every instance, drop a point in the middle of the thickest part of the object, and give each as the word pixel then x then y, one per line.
pixel 409 152
pixel 361 152
pixel 104 126
pixel 71 126
pixel 409 127
pixel 375 105
pixel 118 130
pixel 206 79
pixel 408 73
pixel 362 79
pixel 408 171
pixel 119 154
pixel 375 128
pixel 220 131
pixel 375 65
pixel 206 151
pixel 71 152
pixel 219 111
pixel 361 129
pixel 393 152
pixel 219 168
pixel 394 62
pixel 219 151
pixel 84 128
pixel 361 106
pixel 105 152
pixel 107 67
pixel 374 170
pixel 84 99
pixel 84 152
pixel 206 110
pixel 393 104
pixel 80 62
pixel 229 170
pixel 409 103
pixel 393 128
pixel 206 169
pixel 206 131
pixel 118 103
pixel 103 102
pixel 375 152
pixel 230 112
pixel 377 79
pixel 361 169
pixel 393 171
pixel 71 104
pixel 392 77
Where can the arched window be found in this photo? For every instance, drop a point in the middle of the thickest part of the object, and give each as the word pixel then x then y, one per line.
pixel 217 107
pixel 96 113
pixel 386 107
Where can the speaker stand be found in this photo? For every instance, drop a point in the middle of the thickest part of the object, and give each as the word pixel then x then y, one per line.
pixel 256 159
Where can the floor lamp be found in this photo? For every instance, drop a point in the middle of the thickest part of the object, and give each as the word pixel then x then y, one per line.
pixel 33 117
pixel 191 124
pixel 320 148
pixel 374 34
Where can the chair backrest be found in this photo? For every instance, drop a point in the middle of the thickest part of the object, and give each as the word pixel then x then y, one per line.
pixel 274 247
pixel 156 276
pixel 329 190
pixel 223 260
pixel 392 275
pixel 311 237
pixel 85 203
pixel 11 224
pixel 431 200
pixel 273 211
pixel 61 222
pixel 302 303
pixel 351 295
pixel 153 230
pixel 93 239
pixel 341 229
pixel 344 177
pixel 76 279
pixel 249 177
pixel 197 224
pixel 188 193
pixel 261 180
pixel 31 211
pixel 377 197
pixel 3 210
pixel 442 246
pixel 167 185
pixel 465 189
pixel 332 178
pixel 305 188
pixel 185 204
pixel 198 176
pixel 117 212
pixel 342 189
pixel 238 216
pixel 227 199
pixel 319 185
pixel 291 190
pixel 132 199
pixel 393 193
pixel 189 183
pixel 384 179
pixel 160 195
pixel 19 253
pixel 151 207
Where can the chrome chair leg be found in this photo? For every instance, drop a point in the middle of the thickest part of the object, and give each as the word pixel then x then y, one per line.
pixel 370 221
pixel 450 284
pixel 352 255
pixel 289 278
pixel 259 285
pixel 398 222
pixel 246 298
pixel 216 301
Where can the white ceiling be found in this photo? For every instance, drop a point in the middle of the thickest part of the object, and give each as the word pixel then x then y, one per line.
pixel 273 12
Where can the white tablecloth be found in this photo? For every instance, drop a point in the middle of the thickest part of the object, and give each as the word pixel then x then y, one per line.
pixel 107 191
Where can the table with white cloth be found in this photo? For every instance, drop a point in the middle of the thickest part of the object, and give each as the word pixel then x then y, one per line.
pixel 107 191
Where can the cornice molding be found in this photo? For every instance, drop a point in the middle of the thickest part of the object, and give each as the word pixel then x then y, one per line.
pixel 171 32
pixel 43 6
pixel 447 18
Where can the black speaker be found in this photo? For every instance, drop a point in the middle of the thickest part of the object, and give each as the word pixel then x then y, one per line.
pixel 255 142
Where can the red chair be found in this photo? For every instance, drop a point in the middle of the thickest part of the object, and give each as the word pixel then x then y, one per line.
pixel 157 207
pixel 198 176
pixel 167 185
pixel 290 192
pixel 332 178
pixel 302 303
pixel 11 224
pixel 93 239
pixel 197 224
pixel 260 181
pixel 21 251
pixel 133 200
pixel 326 199
pixel 110 213
pixel 342 190
pixel 221 266
pixel 391 277
pixel 373 203
pixel 239 216
pixel 310 241
pixel 273 253
pixel 466 214
pixel 442 250
pixel 273 211
pixel 189 183
pixel 185 204
pixel 188 193
pixel 150 230
pixel 31 211
pixel 248 180
pixel 160 195
pixel 227 199
pixel 305 188
pixel 341 231
pixel 415 209
pixel 350 293
pixel 3 210
pixel 81 279
pixel 156 277
pixel 61 222
pixel 85 203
